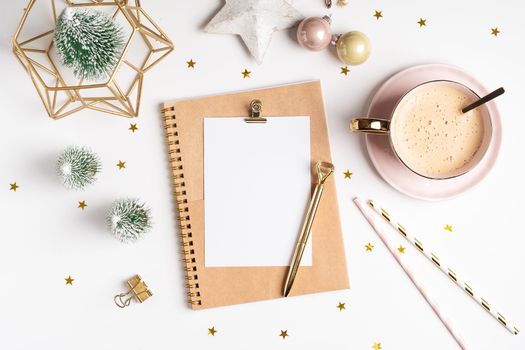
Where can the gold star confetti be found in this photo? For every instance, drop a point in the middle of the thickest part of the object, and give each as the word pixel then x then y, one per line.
pixel 191 63
pixel 246 73
pixel 369 247
pixel 341 306
pixel 69 280
pixel 341 3
pixel 13 186
pixel 212 331
pixel 348 174
pixel 378 14
pixel 121 165
pixel 376 346
pixel 283 334
pixel 401 249
pixel 448 228
pixel 422 22
pixel 82 205
pixel 133 127
pixel 495 31
pixel 345 70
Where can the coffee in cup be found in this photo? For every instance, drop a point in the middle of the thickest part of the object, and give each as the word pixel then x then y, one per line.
pixel 430 134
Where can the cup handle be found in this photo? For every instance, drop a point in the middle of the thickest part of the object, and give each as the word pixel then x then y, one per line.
pixel 370 125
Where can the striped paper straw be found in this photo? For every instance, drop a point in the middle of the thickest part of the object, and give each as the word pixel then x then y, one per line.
pixel 443 267
pixel 376 225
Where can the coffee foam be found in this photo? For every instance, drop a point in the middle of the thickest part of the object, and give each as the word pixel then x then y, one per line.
pixel 432 136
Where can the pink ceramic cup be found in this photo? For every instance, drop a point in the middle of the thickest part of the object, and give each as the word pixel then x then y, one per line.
pixel 383 128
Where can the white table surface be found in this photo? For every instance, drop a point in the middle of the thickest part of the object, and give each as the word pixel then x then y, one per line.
pixel 45 237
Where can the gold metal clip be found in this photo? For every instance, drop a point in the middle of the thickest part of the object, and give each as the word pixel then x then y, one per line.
pixel 255 114
pixel 137 289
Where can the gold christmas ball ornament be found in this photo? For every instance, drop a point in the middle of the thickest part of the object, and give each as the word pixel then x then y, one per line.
pixel 353 48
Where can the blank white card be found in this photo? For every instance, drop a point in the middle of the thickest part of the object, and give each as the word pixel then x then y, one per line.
pixel 257 186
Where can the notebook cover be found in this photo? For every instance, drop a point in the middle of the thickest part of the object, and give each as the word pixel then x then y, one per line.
pixel 219 286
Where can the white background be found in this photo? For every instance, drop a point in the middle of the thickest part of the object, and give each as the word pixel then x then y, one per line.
pixel 45 237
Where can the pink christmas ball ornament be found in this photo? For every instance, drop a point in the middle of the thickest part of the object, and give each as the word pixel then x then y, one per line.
pixel 314 33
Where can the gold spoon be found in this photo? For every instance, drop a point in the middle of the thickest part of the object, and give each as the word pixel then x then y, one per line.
pixel 484 100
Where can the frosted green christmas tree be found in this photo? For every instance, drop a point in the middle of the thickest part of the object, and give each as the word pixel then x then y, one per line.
pixel 129 220
pixel 78 167
pixel 88 41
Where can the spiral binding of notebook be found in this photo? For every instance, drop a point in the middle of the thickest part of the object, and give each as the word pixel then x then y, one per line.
pixel 183 214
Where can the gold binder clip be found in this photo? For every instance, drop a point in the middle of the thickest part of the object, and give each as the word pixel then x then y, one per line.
pixel 255 115
pixel 137 289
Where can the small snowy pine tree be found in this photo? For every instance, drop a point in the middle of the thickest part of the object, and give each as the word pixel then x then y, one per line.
pixel 78 167
pixel 88 41
pixel 128 219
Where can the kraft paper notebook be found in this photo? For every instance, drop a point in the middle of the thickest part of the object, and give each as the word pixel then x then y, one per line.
pixel 242 190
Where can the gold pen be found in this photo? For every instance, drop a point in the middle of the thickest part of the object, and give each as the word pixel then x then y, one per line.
pixel 324 170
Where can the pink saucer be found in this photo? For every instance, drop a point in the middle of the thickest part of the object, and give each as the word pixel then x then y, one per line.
pixel 386 162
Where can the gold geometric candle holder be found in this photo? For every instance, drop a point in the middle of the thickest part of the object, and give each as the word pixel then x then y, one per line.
pixel 61 93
